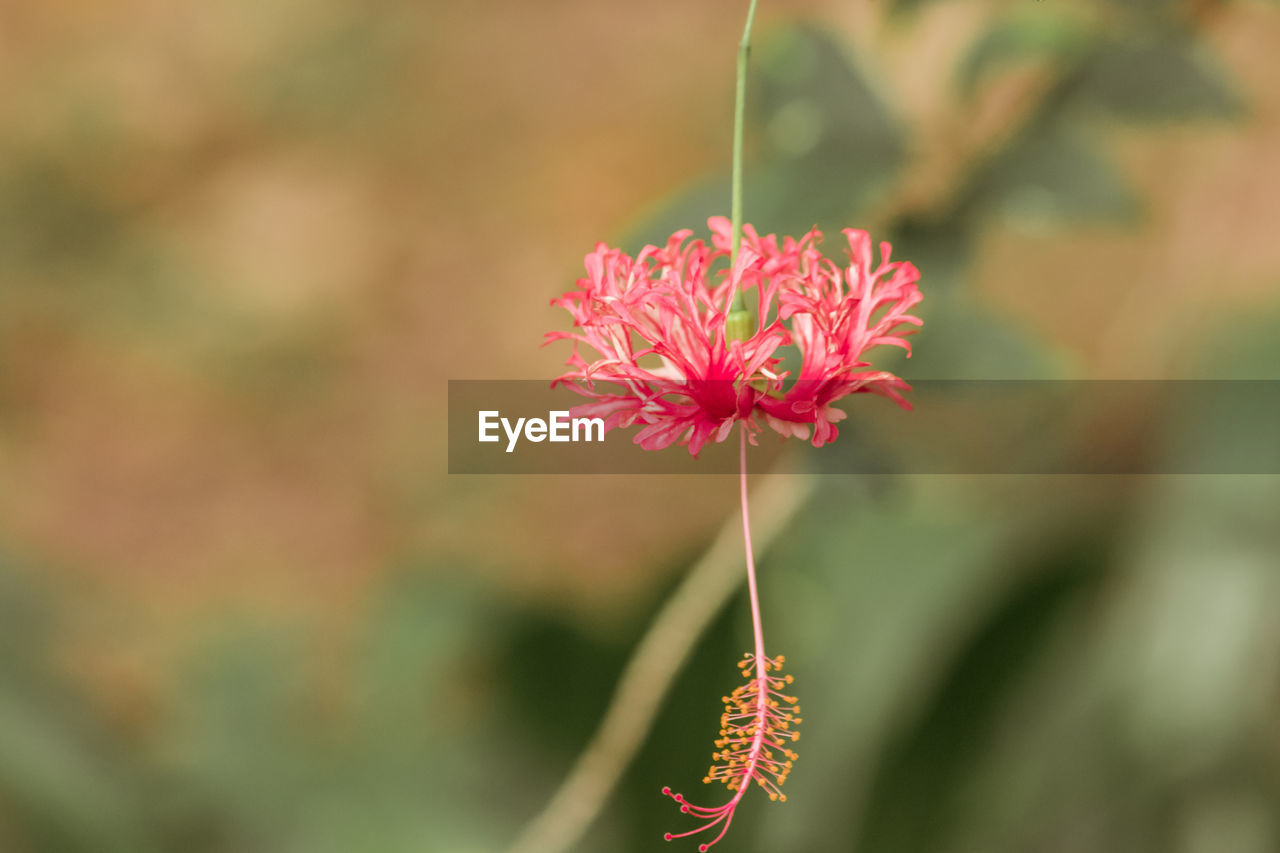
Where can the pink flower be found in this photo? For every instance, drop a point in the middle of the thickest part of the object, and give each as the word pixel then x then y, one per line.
pixel 676 359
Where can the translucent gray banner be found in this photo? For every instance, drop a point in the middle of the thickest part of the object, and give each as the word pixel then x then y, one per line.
pixel 957 427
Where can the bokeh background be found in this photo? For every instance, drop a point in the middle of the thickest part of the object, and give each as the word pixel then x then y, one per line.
pixel 244 245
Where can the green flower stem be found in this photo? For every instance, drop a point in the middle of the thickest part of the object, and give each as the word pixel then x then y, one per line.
pixel 739 109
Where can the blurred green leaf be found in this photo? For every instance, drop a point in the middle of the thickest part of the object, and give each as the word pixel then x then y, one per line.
pixel 24 618
pixel 563 702
pixel 1240 372
pixel 55 219
pixel 418 633
pixel 1053 34
pixel 830 140
pixel 1243 346
pixel 67 789
pixel 969 341
pixel 1158 79
pixel 930 759
pixel 689 207
pixel 811 95
pixel 941 246
pixel 67 783
pixel 907 7
pixel 1052 175
pixel 235 733
pixel 348 69
pixel 266 758
pixel 874 587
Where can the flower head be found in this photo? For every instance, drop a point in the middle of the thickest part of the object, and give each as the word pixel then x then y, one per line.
pixel 675 357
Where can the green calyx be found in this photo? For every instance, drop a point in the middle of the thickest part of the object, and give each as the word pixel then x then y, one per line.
pixel 739 325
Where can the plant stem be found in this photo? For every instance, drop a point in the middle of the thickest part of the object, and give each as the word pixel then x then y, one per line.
pixel 756 625
pixel 739 109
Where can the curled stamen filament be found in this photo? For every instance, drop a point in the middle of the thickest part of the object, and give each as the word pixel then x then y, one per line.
pixel 756 730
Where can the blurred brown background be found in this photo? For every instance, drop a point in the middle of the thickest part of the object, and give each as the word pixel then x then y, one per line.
pixel 243 246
